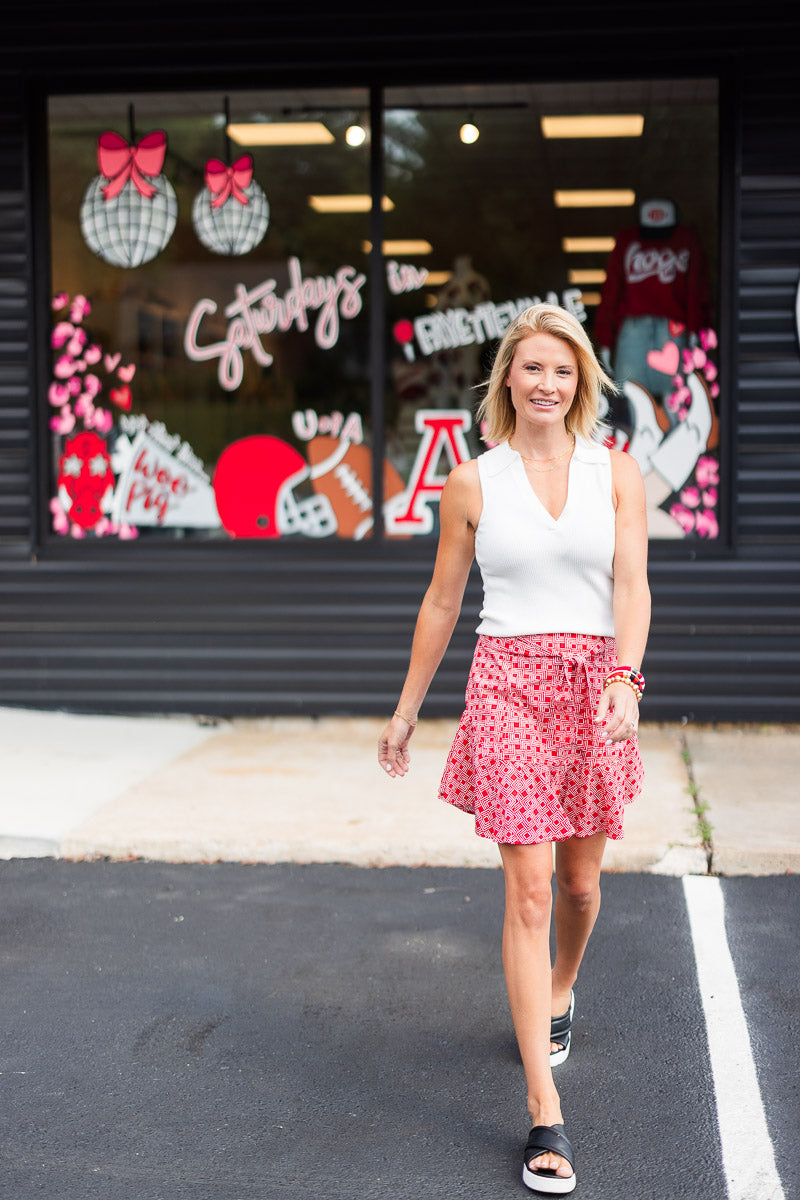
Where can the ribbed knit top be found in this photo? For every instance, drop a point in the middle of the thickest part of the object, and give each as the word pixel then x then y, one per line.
pixel 542 575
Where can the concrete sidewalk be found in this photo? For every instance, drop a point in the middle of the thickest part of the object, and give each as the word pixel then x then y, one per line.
pixel 309 790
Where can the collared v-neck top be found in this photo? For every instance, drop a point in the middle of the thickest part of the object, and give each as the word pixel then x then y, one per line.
pixel 542 574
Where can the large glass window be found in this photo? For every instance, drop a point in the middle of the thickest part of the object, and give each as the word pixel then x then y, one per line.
pixel 210 267
pixel 210 340
pixel 600 197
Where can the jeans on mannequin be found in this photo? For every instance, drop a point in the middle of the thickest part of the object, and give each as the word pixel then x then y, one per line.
pixel 638 336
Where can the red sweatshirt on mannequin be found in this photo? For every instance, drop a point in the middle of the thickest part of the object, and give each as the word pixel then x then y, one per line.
pixel 654 277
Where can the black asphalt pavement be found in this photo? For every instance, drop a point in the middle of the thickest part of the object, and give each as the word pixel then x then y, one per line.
pixel 230 1032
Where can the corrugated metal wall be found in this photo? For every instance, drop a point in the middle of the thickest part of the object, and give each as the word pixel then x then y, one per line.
pixel 282 629
pixel 16 484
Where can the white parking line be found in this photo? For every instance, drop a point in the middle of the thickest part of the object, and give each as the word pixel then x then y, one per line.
pixel 747 1155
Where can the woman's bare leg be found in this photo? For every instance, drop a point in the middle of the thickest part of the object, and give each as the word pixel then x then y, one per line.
pixel 578 863
pixel 526 962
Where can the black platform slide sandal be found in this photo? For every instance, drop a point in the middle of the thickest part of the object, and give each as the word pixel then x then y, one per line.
pixel 541 1140
pixel 561 1033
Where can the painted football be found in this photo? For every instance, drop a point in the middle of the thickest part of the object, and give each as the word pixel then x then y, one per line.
pixel 342 471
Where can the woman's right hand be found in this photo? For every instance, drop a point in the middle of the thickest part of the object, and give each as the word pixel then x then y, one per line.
pixel 393 753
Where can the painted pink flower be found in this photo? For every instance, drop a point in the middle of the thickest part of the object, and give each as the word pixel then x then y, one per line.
pixel 714 389
pixel 708 339
pixel 684 518
pixel 93 355
pixel 77 532
pixel 60 522
pixel 706 471
pixel 710 371
pixel 102 420
pixel 672 402
pixel 59 301
pixel 65 366
pixel 128 532
pixel 707 524
pixel 710 497
pixel 80 308
pixel 92 385
pixel 699 357
pixel 58 395
pixel 690 496
pixel 65 422
pixel 74 386
pixel 76 343
pixel 84 407
pixel 688 362
pixel 62 332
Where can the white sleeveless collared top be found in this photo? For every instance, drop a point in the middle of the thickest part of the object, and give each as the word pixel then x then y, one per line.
pixel 542 575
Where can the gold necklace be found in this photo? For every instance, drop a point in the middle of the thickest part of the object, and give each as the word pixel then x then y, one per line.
pixel 555 461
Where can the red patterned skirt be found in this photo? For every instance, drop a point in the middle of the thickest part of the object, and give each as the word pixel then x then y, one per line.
pixel 527 758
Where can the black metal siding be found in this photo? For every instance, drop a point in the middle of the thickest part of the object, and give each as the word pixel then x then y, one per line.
pixel 768 446
pixel 266 629
pixel 16 480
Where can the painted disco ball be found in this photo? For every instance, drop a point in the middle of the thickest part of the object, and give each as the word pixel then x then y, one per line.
pixel 129 229
pixel 233 228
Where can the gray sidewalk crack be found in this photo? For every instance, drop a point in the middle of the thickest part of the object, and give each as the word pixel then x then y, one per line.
pixel 700 809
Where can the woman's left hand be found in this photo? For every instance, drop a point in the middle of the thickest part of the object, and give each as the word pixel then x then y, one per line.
pixel 617 713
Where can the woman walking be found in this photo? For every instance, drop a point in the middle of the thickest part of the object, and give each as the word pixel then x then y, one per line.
pixel 545 753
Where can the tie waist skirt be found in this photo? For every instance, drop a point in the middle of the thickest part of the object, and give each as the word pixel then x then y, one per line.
pixel 527 758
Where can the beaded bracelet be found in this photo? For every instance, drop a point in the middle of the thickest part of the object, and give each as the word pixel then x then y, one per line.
pixel 621 679
pixel 634 679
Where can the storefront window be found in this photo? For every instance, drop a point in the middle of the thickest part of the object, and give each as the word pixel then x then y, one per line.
pixel 210 267
pixel 600 197
pixel 210 339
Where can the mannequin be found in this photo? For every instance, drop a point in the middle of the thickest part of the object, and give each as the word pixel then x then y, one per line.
pixel 656 292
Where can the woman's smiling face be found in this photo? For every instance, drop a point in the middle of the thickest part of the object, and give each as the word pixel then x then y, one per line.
pixel 543 379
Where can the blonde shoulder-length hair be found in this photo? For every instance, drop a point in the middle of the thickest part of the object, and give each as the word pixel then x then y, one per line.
pixel 496 408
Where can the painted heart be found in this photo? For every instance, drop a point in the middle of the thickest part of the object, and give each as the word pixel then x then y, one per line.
pixel 667 359
pixel 126 374
pixel 676 328
pixel 112 361
pixel 122 397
